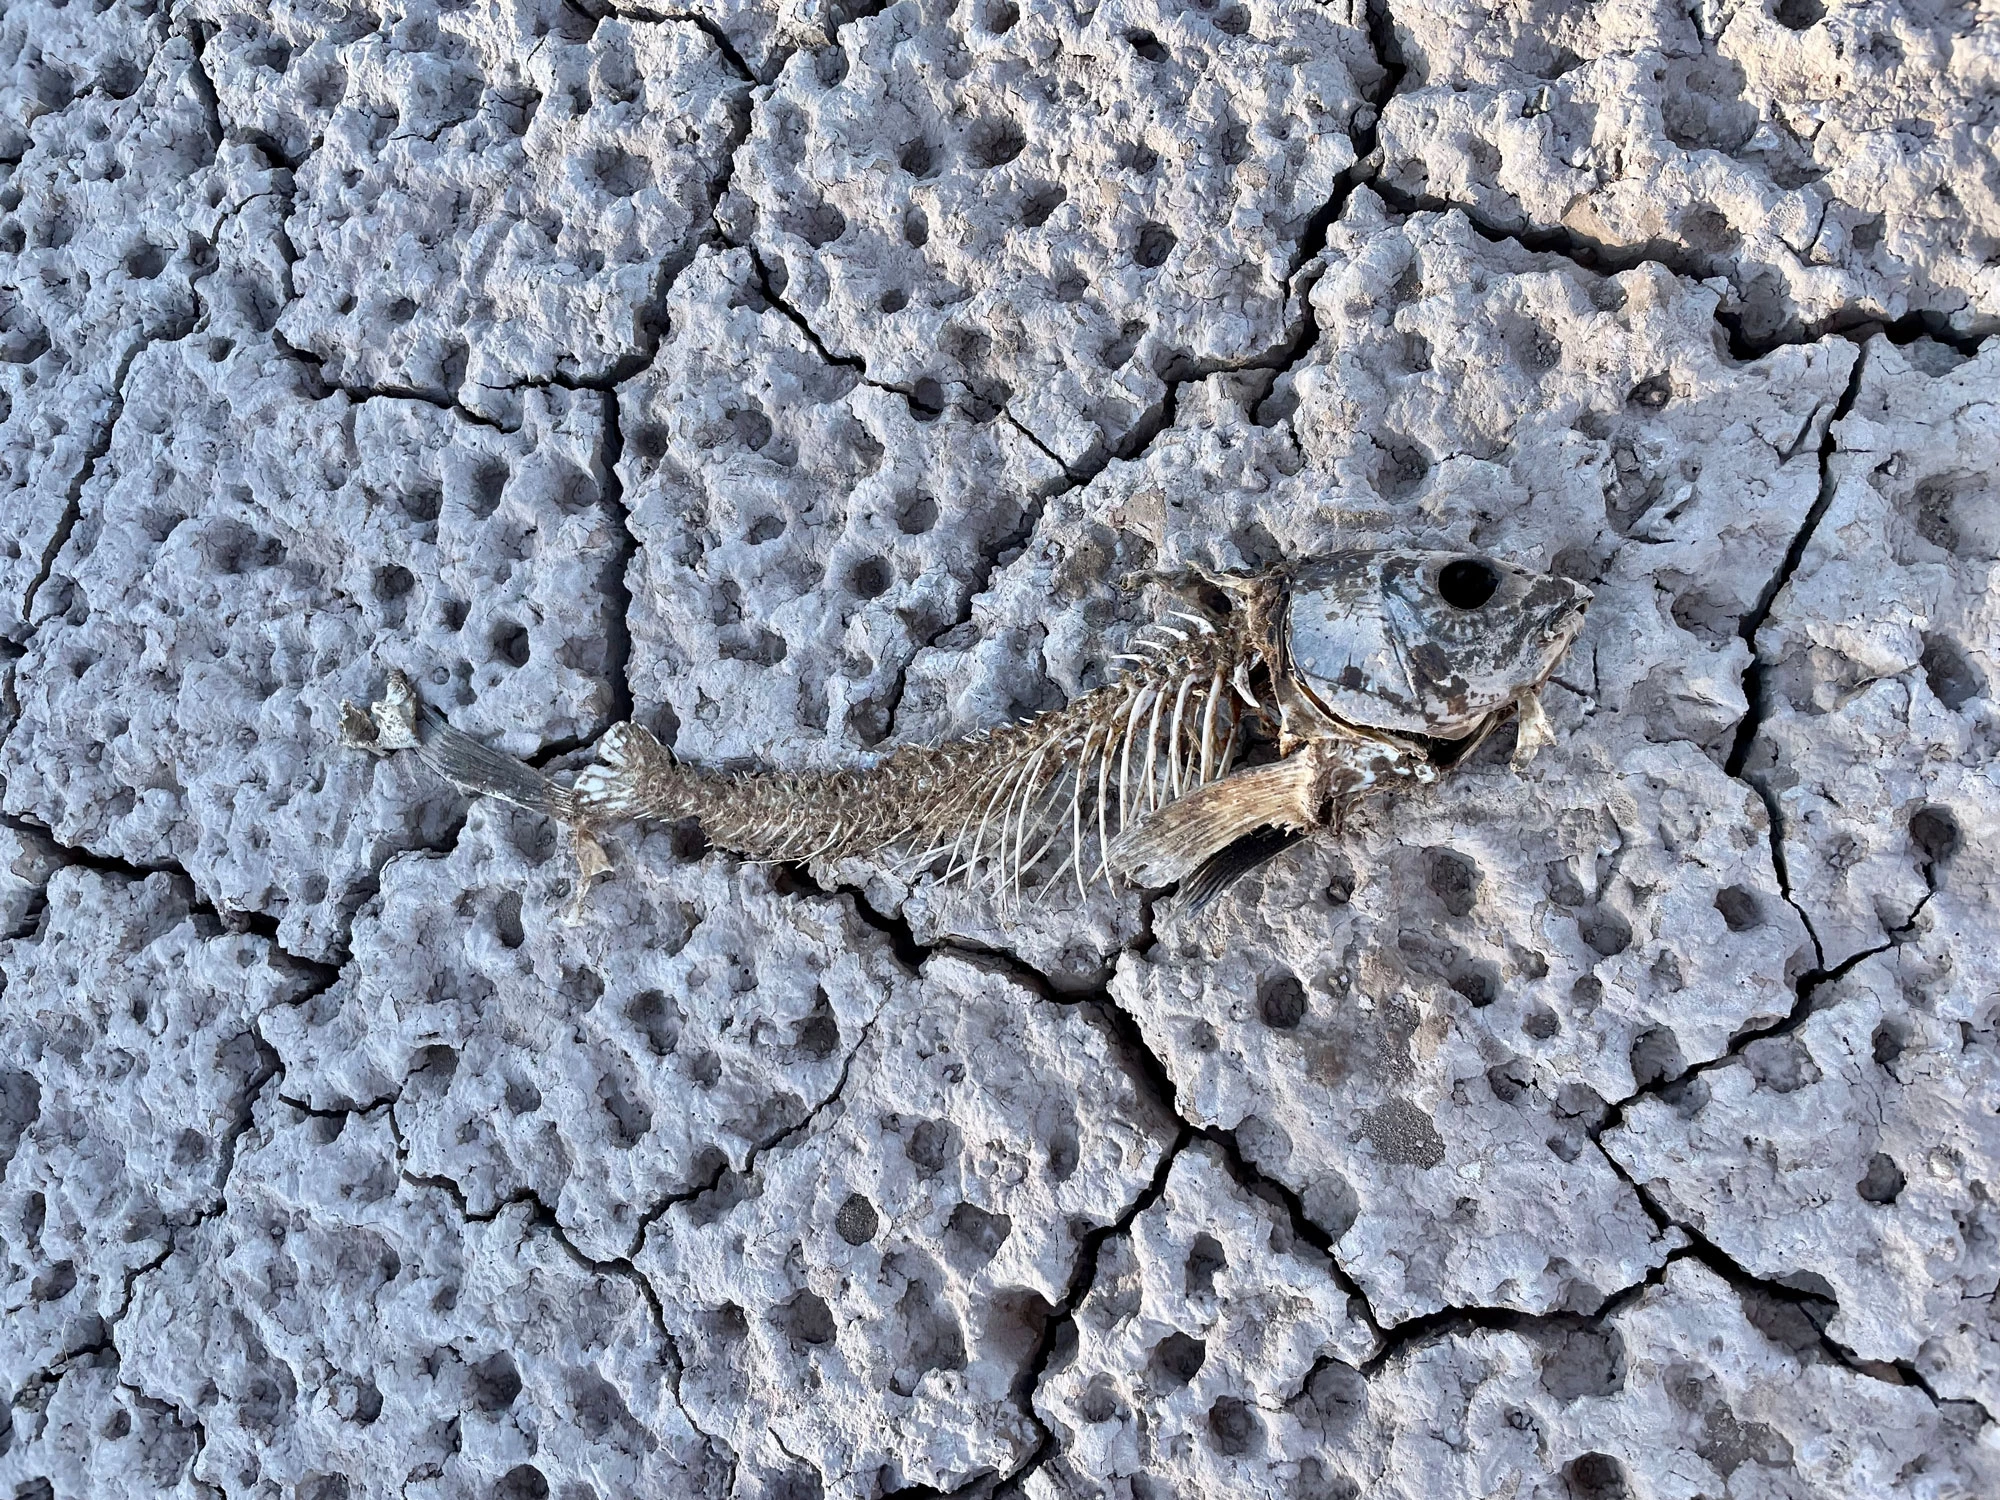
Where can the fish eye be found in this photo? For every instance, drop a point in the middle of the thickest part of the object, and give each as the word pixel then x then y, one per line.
pixel 1467 582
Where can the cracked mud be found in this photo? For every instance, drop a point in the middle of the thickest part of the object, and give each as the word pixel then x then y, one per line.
pixel 805 379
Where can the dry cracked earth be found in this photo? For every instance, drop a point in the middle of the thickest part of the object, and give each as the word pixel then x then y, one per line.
pixel 804 377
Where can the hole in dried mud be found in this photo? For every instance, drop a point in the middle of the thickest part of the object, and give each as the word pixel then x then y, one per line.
pixel 658 1019
pixel 1340 883
pixel 1120 349
pixel 1205 1258
pixel 431 1070
pixel 994 143
pixel 1478 984
pixel 751 426
pixel 1596 1476
pixel 393 582
pixel 926 400
pixel 1099 1402
pixel 1040 204
pixel 856 1220
pixel 1233 1427
pixel 146 262
pixel 1400 470
pixel 819 225
pixel 1959 512
pixel 830 66
pixel 55 1283
pixel 764 648
pixel 1935 832
pixel 620 173
pixel 522 1097
pixel 1177 1359
pixel 522 1482
pixel 493 1383
pixel 1954 678
pixel 507 920
pixel 1883 1182
pixel 1453 878
pixel 916 514
pixel 1511 1081
pixel 1657 1057
pixel 1740 907
pixel 817 1035
pixel 1605 931
pixel 1281 1002
pixel 510 643
pixel 932 1146
pixel 870 578
pixel 1889 1040
pixel 973 1236
pixel 806 1319
pixel 1140 159
pixel 1781 1064
pixel 1156 243
pixel 1583 1362
pixel 933 1339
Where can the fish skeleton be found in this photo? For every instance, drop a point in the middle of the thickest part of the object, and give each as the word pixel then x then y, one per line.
pixel 1234 728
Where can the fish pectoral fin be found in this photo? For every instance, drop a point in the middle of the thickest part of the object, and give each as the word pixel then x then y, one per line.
pixel 591 862
pixel 1163 847
pixel 1220 871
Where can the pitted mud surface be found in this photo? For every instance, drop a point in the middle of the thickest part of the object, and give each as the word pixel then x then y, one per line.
pixel 807 379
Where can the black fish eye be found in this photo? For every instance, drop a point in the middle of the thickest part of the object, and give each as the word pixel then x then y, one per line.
pixel 1468 582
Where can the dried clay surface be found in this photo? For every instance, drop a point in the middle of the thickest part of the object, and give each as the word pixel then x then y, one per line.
pixel 808 378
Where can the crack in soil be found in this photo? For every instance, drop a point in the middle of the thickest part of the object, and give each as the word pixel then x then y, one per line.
pixel 1152 1079
pixel 615 581
pixel 73 499
pixel 270 1071
pixel 609 10
pixel 1817 1309
pixel 1756 687
pixel 1058 1335
pixel 1855 323
pixel 227 919
pixel 723 1171
pixel 198 34
pixel 542 1217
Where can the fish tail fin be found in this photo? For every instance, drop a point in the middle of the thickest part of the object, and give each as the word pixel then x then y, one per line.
pixel 401 720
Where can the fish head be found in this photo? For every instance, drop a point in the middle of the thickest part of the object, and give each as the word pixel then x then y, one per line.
pixel 1428 644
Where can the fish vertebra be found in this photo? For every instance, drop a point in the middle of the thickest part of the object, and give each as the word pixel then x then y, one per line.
pixel 1365 669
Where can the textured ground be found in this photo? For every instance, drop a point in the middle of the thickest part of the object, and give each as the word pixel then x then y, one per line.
pixel 805 377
